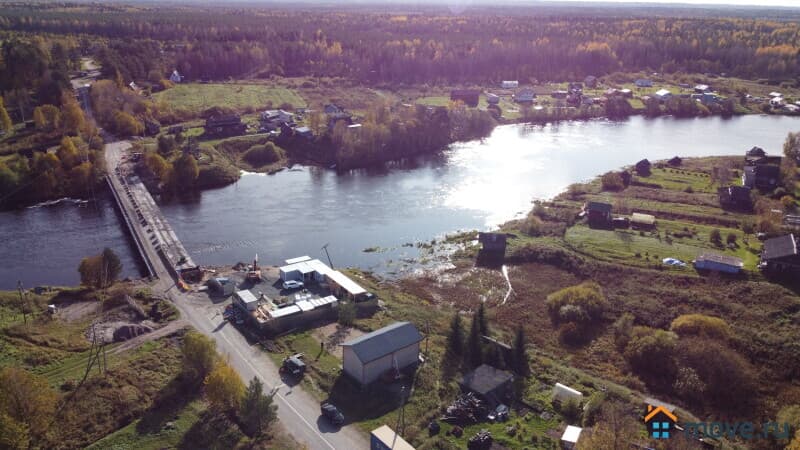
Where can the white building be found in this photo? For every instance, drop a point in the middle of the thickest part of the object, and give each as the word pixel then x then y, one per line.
pixel 385 438
pixel 175 77
pixel 569 439
pixel 563 393
pixel 509 84
pixel 245 300
pixel 306 270
pixel 368 357
pixel 663 94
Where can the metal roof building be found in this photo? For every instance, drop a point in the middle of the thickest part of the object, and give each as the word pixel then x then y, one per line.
pixel 368 357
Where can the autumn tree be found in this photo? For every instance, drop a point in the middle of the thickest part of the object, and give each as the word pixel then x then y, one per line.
pixel 199 355
pixel 185 171
pixel 27 405
pixel 47 117
pixel 158 166
pixel 615 429
pixel 68 153
pixel 224 388
pixel 257 410
pixel 72 118
pixel 100 271
pixel 5 120
pixel 127 125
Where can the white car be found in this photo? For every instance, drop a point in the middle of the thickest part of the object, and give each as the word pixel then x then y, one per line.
pixel 292 284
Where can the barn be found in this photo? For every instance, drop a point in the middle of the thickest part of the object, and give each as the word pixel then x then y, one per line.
pixel 368 357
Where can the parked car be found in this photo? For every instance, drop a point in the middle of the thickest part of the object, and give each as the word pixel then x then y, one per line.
pixel 292 284
pixel 293 365
pixel 332 413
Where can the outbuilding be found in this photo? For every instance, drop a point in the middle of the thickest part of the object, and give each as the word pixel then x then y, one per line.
pixel 599 214
pixel 245 300
pixel 385 438
pixel 393 347
pixel 489 383
pixel 643 221
pixel 569 440
pixel 509 84
pixel 718 263
pixel 563 393
pixel 780 254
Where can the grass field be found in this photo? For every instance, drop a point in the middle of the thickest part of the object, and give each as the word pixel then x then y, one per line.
pixel 196 98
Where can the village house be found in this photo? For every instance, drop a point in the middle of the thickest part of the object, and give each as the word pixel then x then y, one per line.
pixel 590 81
pixel 272 119
pixel 559 94
pixel 175 77
pixel 780 254
pixel 524 96
pixel 718 263
pixel 304 132
pixel 735 197
pixel 391 348
pixel 490 384
pixel 598 214
pixel 764 177
pixel 663 95
pixel 702 88
pixel 493 242
pixel 626 93
pixel 492 99
pixel 643 83
pixel 385 438
pixel 469 97
pixel 563 393
pixel 509 84
pixel 223 126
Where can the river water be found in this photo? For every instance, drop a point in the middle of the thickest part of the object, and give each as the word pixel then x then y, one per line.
pixel 472 185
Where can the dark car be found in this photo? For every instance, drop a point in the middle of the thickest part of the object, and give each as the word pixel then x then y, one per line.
pixel 294 366
pixel 332 413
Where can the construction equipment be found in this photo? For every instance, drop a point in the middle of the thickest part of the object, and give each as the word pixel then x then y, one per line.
pixel 254 274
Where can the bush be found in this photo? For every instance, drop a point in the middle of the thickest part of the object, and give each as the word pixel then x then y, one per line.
pixel 645 342
pixel 587 297
pixel 347 314
pixel 701 325
pixel 532 226
pixel 612 181
pixel 731 238
pixel 260 155
pixel 715 237
pixel 127 125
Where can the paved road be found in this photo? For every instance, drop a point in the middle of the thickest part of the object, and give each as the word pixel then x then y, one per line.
pixel 298 411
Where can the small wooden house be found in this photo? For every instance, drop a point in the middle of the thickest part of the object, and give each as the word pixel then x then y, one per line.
pixel 643 167
pixel 469 97
pixel 493 242
pixel 780 254
pixel 598 214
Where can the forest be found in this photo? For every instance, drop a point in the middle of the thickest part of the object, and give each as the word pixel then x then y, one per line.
pixel 431 46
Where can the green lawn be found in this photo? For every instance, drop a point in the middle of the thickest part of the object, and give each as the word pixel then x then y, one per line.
pixel 624 245
pixel 196 98
pixel 130 437
pixel 679 179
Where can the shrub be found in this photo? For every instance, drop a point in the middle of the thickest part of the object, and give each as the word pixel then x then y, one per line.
pixel 715 237
pixel 701 325
pixel 532 225
pixel 127 125
pixel 612 181
pixel 645 342
pixel 259 155
pixel 586 296
pixel 788 202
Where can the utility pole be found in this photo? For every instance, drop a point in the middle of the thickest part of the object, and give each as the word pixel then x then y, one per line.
pixel 325 247
pixel 22 302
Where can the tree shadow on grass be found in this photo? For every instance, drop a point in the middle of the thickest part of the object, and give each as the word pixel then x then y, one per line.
pixel 213 430
pixel 168 403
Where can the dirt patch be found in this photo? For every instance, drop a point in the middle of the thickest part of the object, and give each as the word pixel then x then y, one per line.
pixel 77 311
pixel 333 335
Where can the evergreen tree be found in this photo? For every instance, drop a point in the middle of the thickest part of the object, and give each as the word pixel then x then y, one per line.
pixel 474 354
pixel 520 357
pixel 257 410
pixel 5 120
pixel 482 320
pixel 455 338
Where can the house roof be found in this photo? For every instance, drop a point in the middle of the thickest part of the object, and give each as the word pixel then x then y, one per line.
pixel 663 92
pixel 654 411
pixel 599 207
pixel 246 297
pixel 721 259
pixel 485 379
pixel 780 247
pixel 756 151
pixel 491 237
pixel 391 439
pixel 571 434
pixel 644 162
pixel 385 341
pixel 345 282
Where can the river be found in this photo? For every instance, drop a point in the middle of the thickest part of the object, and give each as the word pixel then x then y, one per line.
pixel 472 185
